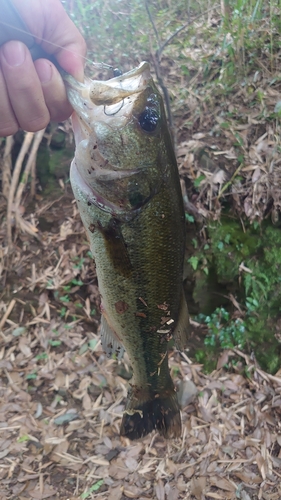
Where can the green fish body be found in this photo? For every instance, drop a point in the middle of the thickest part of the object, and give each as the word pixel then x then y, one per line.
pixel 125 180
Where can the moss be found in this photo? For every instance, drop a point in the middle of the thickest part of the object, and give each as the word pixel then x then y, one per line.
pixel 60 162
pixel 262 342
pixel 257 289
pixel 207 292
pixel 230 246
pixel 207 358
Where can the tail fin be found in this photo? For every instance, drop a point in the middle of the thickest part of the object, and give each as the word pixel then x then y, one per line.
pixel 143 416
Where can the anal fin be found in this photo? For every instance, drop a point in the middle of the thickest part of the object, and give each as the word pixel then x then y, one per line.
pixel 182 328
pixel 109 341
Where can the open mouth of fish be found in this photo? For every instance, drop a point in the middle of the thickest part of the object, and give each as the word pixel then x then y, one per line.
pixel 102 111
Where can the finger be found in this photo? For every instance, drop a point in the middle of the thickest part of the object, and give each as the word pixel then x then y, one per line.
pixel 55 31
pixel 53 90
pixel 69 47
pixel 70 58
pixel 24 87
pixel 8 121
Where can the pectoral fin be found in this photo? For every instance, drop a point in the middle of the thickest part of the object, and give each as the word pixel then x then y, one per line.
pixel 109 341
pixel 182 328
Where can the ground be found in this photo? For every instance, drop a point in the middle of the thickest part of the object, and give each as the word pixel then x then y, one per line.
pixel 62 399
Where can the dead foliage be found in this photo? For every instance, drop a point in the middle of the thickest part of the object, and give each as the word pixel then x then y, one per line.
pixel 62 399
pixel 227 120
pixel 212 164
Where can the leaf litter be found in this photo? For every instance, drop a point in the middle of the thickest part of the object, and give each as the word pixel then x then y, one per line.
pixel 228 124
pixel 62 399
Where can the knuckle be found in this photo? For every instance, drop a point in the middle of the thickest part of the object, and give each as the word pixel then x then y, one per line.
pixel 7 129
pixel 35 124
pixel 60 113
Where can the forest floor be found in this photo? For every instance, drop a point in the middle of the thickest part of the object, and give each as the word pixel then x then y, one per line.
pixel 61 399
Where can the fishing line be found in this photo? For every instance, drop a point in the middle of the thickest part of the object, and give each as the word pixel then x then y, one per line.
pixel 115 112
pixel 97 65
pixel 116 71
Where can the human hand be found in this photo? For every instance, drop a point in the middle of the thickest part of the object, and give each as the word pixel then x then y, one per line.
pixel 33 93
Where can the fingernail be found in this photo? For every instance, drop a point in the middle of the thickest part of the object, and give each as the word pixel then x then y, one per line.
pixel 14 53
pixel 44 71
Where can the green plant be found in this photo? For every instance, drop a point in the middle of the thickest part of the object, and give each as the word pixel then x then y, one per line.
pixel 63 312
pixel 41 356
pixel 79 261
pixel 64 298
pixel 189 218
pixel 248 263
pixel 23 438
pixel 54 343
pixel 223 331
pixel 71 284
pixel 95 487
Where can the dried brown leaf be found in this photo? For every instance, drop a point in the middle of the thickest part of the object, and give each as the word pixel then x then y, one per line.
pixel 159 490
pixel 46 493
pixel 197 486
pixel 222 483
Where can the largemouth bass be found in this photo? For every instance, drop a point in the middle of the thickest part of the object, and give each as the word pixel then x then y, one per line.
pixel 125 180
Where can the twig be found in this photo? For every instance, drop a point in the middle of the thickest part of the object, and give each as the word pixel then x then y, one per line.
pixel 7 313
pixel 24 149
pixel 227 184
pixel 156 58
pixel 7 166
pixel 165 93
pixel 30 162
pixel 33 179
pixel 179 30
pixel 152 22
pixel 156 63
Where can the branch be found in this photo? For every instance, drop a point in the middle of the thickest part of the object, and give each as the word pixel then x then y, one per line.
pixel 152 22
pixel 165 93
pixel 156 62
pixel 15 178
pixel 179 30
pixel 7 166
pixel 157 56
pixel 30 162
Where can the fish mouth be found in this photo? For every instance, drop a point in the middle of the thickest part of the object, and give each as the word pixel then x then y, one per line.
pixel 102 110
pixel 108 100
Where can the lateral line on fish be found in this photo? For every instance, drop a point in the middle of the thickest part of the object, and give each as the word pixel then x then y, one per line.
pixel 26 32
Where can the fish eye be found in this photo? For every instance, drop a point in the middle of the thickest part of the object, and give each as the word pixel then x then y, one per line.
pixel 148 119
pixel 117 72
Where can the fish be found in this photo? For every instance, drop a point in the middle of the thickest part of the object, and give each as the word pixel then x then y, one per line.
pixel 126 183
